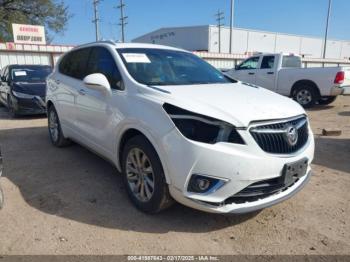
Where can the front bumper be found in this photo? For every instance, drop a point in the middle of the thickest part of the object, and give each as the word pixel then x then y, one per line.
pixel 29 106
pixel 243 207
pixel 239 165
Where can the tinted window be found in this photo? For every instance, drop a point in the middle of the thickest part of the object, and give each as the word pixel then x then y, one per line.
pixel 251 63
pixel 101 61
pixel 268 62
pixel 74 63
pixel 291 62
pixel 168 67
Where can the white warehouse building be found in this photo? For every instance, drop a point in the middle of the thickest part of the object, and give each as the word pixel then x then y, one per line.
pixel 245 41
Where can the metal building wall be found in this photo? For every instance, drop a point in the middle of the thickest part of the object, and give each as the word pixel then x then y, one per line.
pixel 189 38
pixel 7 58
pixel 11 53
pixel 260 41
pixel 196 38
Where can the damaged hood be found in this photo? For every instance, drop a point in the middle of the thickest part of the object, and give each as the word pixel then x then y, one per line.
pixel 236 103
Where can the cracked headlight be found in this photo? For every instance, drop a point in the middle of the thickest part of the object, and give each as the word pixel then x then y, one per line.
pixel 201 128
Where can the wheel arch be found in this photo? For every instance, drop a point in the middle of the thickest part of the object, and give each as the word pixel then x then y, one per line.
pixel 307 82
pixel 49 103
pixel 131 132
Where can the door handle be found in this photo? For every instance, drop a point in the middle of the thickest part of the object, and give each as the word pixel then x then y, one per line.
pixel 57 81
pixel 270 73
pixel 251 73
pixel 82 92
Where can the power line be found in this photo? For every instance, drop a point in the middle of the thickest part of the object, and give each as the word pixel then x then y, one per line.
pixel 96 20
pixel 122 19
pixel 219 18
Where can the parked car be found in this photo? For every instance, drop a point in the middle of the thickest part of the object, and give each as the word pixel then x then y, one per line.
pixel 177 128
pixel 22 88
pixel 283 74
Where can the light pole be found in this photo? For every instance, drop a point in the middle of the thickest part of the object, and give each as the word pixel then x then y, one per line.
pixel 96 20
pixel 326 33
pixel 231 23
pixel 219 18
pixel 122 19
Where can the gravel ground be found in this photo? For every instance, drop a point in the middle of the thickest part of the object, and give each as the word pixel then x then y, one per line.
pixel 70 201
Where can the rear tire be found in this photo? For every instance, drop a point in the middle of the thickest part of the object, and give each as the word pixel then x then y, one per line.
pixel 305 95
pixel 55 131
pixel 143 176
pixel 326 100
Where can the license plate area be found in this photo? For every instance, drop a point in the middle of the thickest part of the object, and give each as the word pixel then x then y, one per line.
pixel 293 171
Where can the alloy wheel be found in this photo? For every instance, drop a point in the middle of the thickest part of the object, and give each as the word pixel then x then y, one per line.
pixel 304 97
pixel 140 176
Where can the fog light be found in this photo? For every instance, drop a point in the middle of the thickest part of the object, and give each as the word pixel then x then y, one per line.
pixel 204 184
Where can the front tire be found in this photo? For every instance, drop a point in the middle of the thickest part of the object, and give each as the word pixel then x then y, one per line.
pixel 326 100
pixel 143 176
pixel 55 131
pixel 12 111
pixel 305 95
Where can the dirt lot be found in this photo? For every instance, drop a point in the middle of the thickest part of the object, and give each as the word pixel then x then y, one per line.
pixel 69 201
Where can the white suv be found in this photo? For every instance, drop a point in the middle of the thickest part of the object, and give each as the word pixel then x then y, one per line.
pixel 177 128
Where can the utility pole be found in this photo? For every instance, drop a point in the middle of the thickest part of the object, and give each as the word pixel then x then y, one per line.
pixel 96 20
pixel 231 23
pixel 219 17
pixel 326 33
pixel 123 18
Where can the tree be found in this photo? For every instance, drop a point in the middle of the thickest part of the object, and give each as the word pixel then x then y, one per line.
pixel 52 14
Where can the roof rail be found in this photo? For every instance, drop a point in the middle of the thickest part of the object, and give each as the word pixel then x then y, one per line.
pixel 107 41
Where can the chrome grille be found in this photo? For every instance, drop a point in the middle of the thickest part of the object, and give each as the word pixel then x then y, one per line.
pixel 274 138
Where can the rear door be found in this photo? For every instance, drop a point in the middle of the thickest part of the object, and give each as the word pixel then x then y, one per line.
pixel 246 71
pixel 266 74
pixel 69 82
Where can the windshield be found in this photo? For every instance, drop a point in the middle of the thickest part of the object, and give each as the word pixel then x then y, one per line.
pixel 30 74
pixel 169 67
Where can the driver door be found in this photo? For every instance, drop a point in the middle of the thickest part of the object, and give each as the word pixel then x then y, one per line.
pixel 94 110
pixel 246 71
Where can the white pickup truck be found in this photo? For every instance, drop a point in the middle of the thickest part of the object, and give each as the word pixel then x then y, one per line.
pixel 283 73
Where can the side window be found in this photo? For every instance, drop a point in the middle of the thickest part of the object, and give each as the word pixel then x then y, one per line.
pixel 64 64
pixel 268 62
pixel 101 61
pixel 251 63
pixel 74 64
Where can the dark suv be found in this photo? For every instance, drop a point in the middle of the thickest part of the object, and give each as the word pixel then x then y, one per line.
pixel 23 88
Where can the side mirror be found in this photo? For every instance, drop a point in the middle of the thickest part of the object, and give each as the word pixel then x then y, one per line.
pixel 97 82
pixel 236 67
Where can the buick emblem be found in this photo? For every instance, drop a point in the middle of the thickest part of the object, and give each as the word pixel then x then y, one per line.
pixel 291 135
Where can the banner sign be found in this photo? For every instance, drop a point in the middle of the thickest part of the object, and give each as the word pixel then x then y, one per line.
pixel 28 34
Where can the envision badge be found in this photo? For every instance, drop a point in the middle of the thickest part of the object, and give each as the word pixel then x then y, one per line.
pixel 292 135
